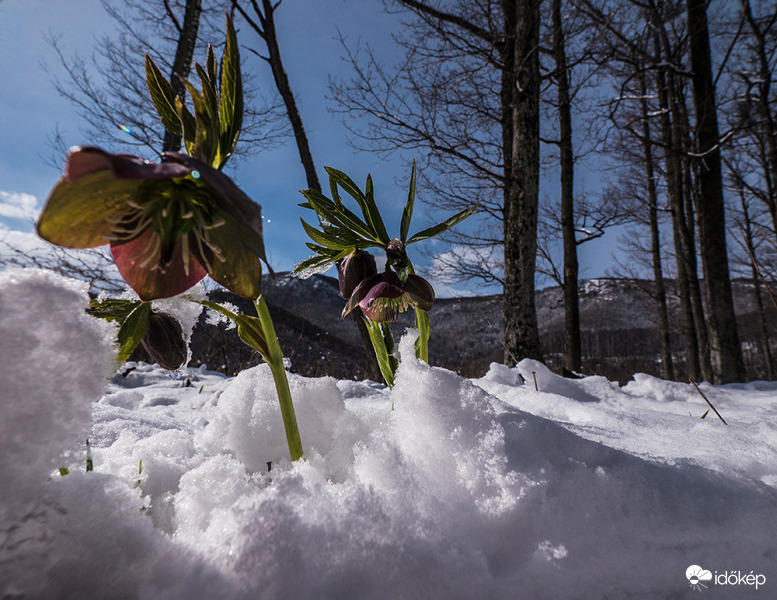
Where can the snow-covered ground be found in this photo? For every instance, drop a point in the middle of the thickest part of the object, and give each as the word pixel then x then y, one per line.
pixel 443 488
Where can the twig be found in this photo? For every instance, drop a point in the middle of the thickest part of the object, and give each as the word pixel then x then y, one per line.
pixel 708 401
pixel 533 374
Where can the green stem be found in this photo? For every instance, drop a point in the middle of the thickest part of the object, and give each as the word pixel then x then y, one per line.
pixel 422 325
pixel 274 359
pixel 383 344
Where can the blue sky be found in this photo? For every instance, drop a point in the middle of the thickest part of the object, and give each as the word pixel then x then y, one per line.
pixel 31 110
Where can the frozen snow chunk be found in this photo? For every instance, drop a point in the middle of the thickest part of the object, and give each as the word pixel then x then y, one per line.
pixel 448 441
pixel 653 388
pixel 248 422
pixel 550 383
pixel 54 362
pixel 499 373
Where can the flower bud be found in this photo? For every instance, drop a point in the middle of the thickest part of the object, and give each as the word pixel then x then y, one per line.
pixel 395 250
pixel 164 341
pixel 355 268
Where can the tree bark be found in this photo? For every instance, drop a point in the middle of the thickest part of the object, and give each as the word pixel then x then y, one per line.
pixel 667 364
pixel 182 63
pixel 567 168
pixel 520 119
pixel 725 351
pixel 679 233
pixel 747 229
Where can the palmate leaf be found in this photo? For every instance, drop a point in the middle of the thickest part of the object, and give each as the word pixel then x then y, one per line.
pixel 444 226
pixel 338 215
pixel 407 213
pixel 163 97
pixel 328 240
pixel 350 187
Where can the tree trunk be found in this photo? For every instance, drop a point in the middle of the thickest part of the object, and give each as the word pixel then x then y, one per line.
pixel 284 88
pixel 747 230
pixel 679 233
pixel 520 119
pixel 566 159
pixel 667 364
pixel 725 351
pixel 182 64
pixel 768 123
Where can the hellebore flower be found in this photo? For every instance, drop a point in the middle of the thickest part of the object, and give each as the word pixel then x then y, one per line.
pixel 168 224
pixel 164 341
pixel 355 268
pixel 383 296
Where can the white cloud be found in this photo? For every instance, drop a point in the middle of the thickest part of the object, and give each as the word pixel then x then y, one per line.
pixel 17 205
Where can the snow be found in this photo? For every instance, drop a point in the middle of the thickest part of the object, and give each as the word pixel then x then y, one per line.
pixel 484 488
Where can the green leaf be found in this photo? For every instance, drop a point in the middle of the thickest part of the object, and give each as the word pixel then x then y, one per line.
pixel 444 226
pixel 407 214
pixel 206 136
pixel 353 190
pixel 249 328
pixel 327 240
pixel 339 215
pixel 133 329
pixel 231 100
pixel 188 126
pixel 112 309
pixel 311 263
pixel 705 413
pixel 381 351
pixel 422 343
pixel 374 213
pixel 210 65
pixel 163 97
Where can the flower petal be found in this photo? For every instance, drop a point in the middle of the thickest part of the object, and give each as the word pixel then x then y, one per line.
pixel 361 292
pixel 142 271
pixel 77 213
pixel 81 161
pixel 246 213
pixel 421 291
pixel 241 271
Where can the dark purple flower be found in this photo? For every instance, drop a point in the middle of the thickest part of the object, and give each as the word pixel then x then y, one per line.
pixel 355 268
pixel 383 296
pixel 168 224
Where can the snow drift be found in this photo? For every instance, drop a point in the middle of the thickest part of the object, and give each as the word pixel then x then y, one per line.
pixel 444 487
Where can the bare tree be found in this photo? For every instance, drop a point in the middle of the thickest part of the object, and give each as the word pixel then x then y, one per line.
pixel 262 21
pixel 109 86
pixel 725 351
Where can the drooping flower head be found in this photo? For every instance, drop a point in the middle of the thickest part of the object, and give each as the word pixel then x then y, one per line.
pixel 168 224
pixel 383 296
pixel 355 268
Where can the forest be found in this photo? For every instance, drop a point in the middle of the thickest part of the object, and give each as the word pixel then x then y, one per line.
pixel 563 120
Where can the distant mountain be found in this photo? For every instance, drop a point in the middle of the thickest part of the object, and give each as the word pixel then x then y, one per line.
pixel 618 323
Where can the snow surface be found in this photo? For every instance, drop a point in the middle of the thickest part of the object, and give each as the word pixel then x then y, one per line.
pixel 483 488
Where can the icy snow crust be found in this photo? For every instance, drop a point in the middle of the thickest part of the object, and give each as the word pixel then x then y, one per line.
pixel 467 489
